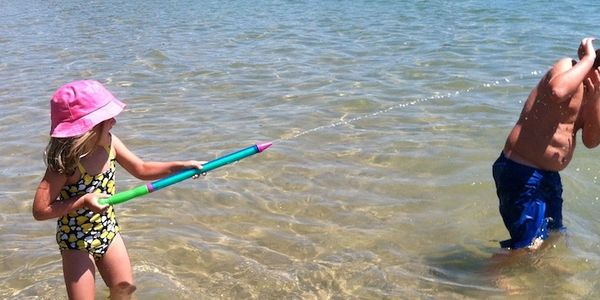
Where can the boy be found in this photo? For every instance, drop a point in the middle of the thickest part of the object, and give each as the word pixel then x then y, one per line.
pixel 542 143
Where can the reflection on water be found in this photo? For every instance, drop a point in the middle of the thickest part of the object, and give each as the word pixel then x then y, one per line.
pixel 386 118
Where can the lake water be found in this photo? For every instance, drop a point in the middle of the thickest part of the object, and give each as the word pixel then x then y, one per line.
pixel 386 117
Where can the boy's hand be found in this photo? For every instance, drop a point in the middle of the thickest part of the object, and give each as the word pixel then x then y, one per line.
pixel 586 48
pixel 592 85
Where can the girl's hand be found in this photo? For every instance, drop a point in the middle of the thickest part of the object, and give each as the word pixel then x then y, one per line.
pixel 195 164
pixel 90 201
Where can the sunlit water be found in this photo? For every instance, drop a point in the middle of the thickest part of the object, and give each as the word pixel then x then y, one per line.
pixel 385 115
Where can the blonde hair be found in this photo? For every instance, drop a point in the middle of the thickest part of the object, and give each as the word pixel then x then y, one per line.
pixel 63 154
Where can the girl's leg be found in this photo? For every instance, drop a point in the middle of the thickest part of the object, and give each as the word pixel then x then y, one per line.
pixel 115 269
pixel 80 274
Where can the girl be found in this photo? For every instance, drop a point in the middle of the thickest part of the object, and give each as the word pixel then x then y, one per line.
pixel 80 160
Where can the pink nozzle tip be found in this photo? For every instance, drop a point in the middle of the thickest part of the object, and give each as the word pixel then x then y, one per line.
pixel 263 146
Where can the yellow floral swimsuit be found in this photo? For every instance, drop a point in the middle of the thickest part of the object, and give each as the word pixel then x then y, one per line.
pixel 83 229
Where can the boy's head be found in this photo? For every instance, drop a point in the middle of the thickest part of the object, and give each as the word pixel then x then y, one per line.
pixel 597 60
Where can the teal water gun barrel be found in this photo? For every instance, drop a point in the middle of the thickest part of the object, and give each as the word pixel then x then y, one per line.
pixel 183 175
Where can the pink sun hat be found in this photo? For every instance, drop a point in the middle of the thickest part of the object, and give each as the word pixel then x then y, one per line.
pixel 78 106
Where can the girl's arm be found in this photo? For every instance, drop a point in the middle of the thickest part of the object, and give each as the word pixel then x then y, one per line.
pixel 148 170
pixel 45 205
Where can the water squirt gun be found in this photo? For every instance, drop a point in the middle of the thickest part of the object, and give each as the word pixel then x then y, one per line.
pixel 183 175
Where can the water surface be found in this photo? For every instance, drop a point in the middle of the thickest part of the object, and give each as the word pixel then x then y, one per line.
pixel 386 117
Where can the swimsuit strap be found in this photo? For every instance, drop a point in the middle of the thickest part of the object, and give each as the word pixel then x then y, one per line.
pixel 81 168
pixel 110 151
pixel 111 156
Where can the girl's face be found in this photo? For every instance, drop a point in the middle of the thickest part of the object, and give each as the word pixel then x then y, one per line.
pixel 104 131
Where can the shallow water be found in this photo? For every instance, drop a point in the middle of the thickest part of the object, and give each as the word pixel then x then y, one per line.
pixel 386 117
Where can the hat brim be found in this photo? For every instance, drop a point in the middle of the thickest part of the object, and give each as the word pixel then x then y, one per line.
pixel 87 122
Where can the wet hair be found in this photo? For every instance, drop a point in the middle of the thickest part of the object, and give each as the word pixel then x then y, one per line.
pixel 597 60
pixel 63 154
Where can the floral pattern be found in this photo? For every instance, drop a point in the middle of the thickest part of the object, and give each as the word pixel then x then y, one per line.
pixel 83 229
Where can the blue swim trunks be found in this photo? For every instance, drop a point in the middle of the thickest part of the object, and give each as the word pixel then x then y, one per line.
pixel 530 201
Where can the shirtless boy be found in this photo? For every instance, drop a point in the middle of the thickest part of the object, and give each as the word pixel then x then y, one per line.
pixel 542 143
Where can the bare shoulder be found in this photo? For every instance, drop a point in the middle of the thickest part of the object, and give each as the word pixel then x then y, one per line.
pixel 53 178
pixel 547 82
pixel 123 154
pixel 561 65
pixel 117 143
pixel 116 139
pixel 118 146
